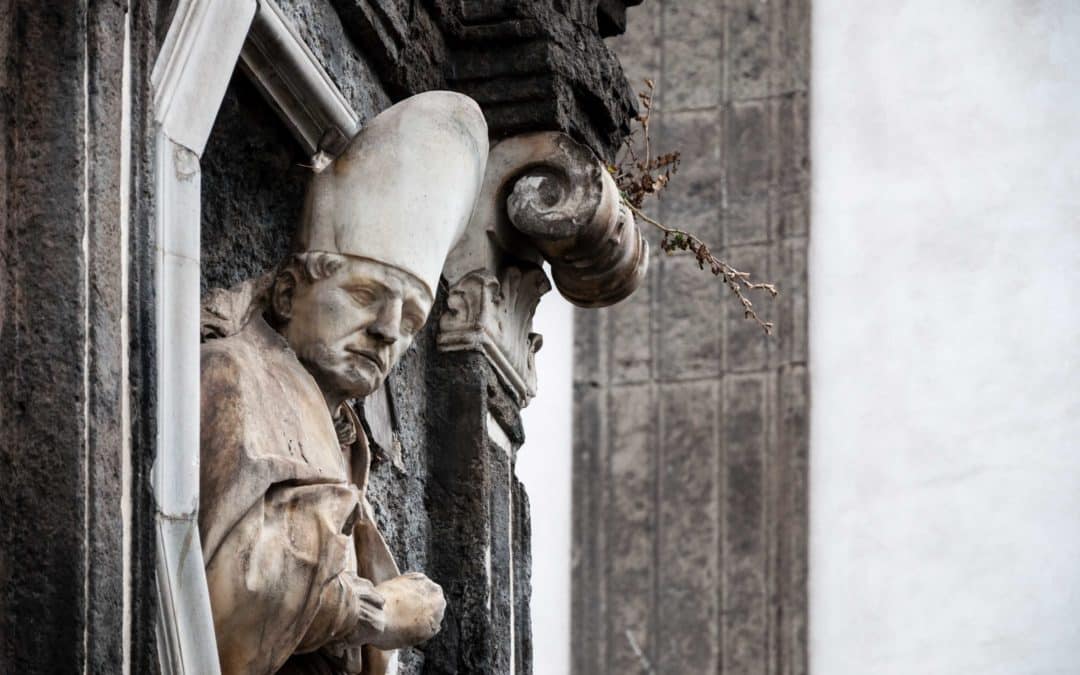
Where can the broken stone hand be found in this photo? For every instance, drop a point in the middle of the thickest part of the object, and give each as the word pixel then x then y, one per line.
pixel 412 612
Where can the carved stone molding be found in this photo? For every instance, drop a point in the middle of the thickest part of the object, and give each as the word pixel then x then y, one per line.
pixel 545 197
pixel 494 316
pixel 294 82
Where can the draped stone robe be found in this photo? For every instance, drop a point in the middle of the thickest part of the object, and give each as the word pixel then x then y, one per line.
pixel 283 512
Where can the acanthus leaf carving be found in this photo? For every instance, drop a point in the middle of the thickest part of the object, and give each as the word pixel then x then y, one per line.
pixel 493 315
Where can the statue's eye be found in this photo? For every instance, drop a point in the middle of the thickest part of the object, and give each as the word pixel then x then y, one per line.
pixel 410 325
pixel 364 296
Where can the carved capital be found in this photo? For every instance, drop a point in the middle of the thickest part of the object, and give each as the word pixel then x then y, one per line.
pixel 545 197
pixel 494 315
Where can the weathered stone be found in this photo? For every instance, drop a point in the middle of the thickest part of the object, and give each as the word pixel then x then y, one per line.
pixel 692 46
pixel 793 214
pixel 591 347
pixel 750 67
pixel 737 555
pixel 631 336
pixel 793 444
pixel 321 29
pixel 747 149
pixel 689 321
pixel 62 570
pixel 791 60
pixel 640 47
pixel 253 189
pixel 589 557
pixel 789 309
pixel 688 544
pixel 793 137
pixel 746 347
pixel 692 201
pixel 748 524
pixel 746 220
pixel 536 65
pixel 631 516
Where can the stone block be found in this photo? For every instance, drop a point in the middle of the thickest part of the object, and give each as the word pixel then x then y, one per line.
pixel 791 45
pixel 588 579
pixel 748 50
pixel 631 516
pixel 745 549
pixel 692 46
pixel 746 347
pixel 793 214
pixel 793 142
pixel 687 573
pixel 688 330
pixel 692 200
pixel 631 335
pixel 789 309
pixel 747 138
pixel 793 441
pixel 590 346
pixel 746 220
pixel 639 47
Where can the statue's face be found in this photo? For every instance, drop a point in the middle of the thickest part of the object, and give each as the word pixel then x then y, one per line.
pixel 350 328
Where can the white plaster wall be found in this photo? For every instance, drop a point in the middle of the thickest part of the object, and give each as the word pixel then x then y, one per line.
pixel 544 465
pixel 945 337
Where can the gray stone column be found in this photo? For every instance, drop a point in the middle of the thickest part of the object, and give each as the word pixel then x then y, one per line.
pixel 691 426
pixel 73 595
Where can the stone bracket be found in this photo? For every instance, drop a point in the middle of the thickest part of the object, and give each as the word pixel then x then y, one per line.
pixel 545 198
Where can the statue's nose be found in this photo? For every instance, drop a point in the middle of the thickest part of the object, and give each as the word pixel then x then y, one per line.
pixel 387 327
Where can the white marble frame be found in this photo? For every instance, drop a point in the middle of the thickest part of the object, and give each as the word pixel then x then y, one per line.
pixel 204 43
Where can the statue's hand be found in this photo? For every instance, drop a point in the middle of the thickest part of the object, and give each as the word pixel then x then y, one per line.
pixel 368 612
pixel 414 610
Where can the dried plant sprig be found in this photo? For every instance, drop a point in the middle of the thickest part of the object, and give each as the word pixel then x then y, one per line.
pixel 739 282
pixel 641 175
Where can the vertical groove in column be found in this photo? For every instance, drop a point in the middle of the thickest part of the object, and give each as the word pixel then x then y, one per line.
pixel 104 631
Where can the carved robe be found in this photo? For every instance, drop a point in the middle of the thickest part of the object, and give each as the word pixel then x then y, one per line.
pixel 285 523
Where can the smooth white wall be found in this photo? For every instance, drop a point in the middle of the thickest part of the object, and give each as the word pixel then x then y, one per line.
pixel 945 337
pixel 544 465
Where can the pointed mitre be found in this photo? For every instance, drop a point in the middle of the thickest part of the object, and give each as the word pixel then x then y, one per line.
pixel 403 190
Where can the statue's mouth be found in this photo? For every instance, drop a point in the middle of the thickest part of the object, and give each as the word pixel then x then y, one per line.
pixel 375 359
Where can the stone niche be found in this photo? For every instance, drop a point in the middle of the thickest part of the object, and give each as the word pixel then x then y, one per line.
pixel 445 427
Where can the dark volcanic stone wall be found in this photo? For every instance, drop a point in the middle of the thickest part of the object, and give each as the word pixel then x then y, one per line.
pixel 78 441
pixel 63 561
pixel 690 503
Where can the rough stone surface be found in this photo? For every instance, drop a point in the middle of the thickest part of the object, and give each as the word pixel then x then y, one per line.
pixel 63 554
pixel 62 562
pixel 690 440
pixel 531 65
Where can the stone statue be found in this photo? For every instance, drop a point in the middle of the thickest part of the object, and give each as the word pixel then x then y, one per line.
pixel 300 578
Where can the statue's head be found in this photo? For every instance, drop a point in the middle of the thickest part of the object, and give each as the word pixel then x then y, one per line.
pixel 348 319
pixel 377 226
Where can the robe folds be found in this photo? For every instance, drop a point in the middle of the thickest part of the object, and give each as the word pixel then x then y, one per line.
pixel 286 527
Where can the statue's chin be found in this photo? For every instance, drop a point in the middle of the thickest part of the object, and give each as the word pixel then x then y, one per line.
pixel 359 382
pixel 348 382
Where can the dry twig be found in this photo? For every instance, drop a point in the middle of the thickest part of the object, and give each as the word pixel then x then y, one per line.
pixel 639 175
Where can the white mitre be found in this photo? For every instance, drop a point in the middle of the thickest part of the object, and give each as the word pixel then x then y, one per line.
pixel 403 190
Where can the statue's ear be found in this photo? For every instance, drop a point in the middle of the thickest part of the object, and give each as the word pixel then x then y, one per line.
pixel 281 297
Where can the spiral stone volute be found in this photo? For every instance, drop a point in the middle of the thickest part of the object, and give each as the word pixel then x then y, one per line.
pixel 545 198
